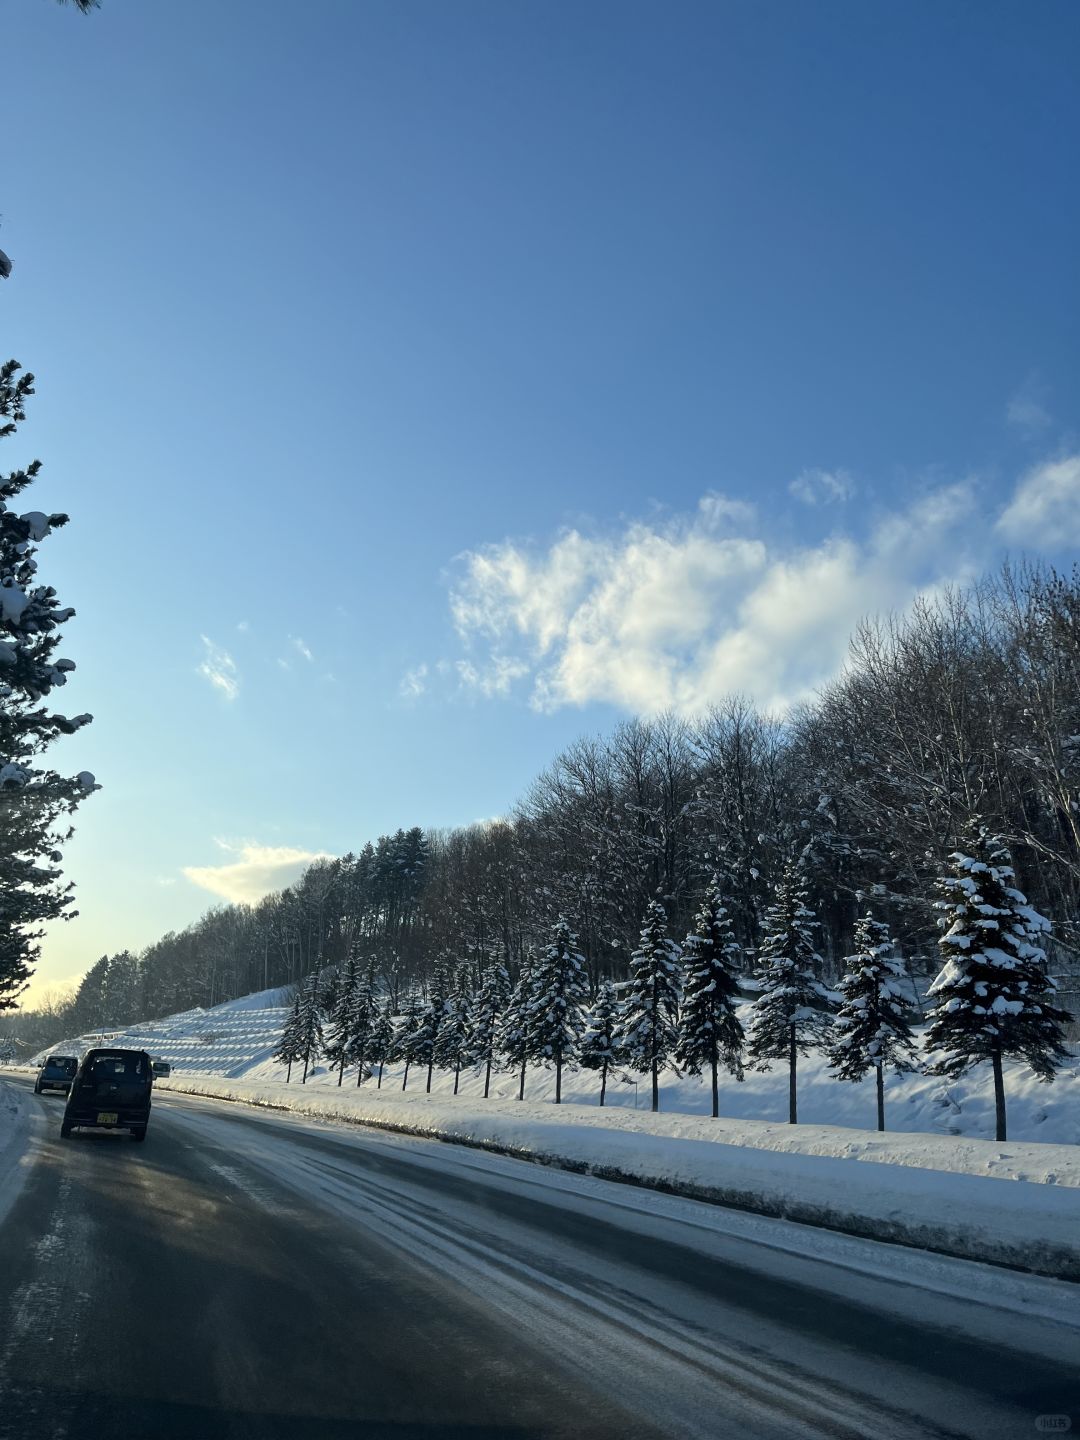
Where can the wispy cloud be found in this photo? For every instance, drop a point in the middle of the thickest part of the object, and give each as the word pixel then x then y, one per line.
pixel 219 667
pixel 301 648
pixel 413 682
pixel 1027 410
pixel 1045 509
pixel 676 615
pixel 258 870
pixel 822 487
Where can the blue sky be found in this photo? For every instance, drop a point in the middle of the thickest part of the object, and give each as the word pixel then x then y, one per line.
pixel 430 383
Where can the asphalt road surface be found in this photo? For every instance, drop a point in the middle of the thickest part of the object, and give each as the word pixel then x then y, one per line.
pixel 246 1275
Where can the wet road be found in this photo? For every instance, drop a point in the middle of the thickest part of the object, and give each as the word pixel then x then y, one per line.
pixel 246 1275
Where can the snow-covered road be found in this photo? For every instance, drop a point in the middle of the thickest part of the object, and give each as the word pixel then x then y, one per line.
pixel 249 1274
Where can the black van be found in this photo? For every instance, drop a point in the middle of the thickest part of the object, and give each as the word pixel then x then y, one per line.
pixel 111 1091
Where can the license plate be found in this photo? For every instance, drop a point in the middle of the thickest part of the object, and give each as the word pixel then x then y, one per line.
pixel 107 1117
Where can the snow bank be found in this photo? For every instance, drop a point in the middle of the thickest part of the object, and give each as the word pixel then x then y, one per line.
pixel 1013 1204
pixel 14 1140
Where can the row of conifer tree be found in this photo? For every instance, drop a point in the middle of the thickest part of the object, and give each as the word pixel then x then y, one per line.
pixel 682 1005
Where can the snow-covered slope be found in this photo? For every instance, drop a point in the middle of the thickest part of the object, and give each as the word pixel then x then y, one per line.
pixel 237 1041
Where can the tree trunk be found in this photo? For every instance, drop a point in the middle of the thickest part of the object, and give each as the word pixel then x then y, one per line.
pixel 379 1085
pixel 999 1096
pixel 880 1097
pixel 341 1068
pixel 715 1091
pixel 457 1075
pixel 521 1087
pixel 360 1068
pixel 487 1076
pixel 603 1082
pixel 558 1081
pixel 793 1060
pixel 288 1073
pixel 405 1077
pixel 430 1067
pixel 655 1085
pixel 303 1078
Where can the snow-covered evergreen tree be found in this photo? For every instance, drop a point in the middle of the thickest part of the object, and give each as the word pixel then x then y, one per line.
pixel 597 1050
pixel 309 1023
pixel 426 1033
pixel 647 1026
pixel 710 1032
pixel 37 803
pixel 992 997
pixel 381 1037
pixel 488 1005
pixel 556 1017
pixel 514 1025
pixel 873 1025
pixel 288 1051
pixel 410 1028
pixel 340 1019
pixel 365 1007
pixel 792 1009
pixel 451 1050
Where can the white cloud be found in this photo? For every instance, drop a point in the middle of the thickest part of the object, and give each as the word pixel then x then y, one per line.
pixel 413 682
pixel 219 668
pixel 1026 409
pixel 822 487
pixel 1045 508
pixel 300 647
pixel 260 870
pixel 678 615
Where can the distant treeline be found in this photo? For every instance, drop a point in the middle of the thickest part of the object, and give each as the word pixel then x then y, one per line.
pixel 969 705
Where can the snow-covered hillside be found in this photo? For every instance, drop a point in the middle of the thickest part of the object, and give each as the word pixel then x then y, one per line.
pixel 237 1041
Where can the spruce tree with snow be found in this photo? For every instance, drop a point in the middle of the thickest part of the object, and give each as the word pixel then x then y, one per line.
pixel 364 1010
pixel 309 1023
pixel 873 1025
pixel 992 997
pixel 514 1027
pixel 710 1032
pixel 288 1051
pixel 488 1005
pixel 37 802
pixel 647 1027
pixel 408 1026
pixel 381 1037
pixel 597 1050
pixel 556 1017
pixel 427 1031
pixel 792 1008
pixel 451 1049
pixel 340 1021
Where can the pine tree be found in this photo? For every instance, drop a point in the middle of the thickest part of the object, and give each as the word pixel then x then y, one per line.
pixel 35 803
pixel 556 1017
pixel 647 1029
pixel 340 1020
pixel 427 1032
pixel 873 1025
pixel 364 1010
pixel 408 1026
pixel 992 996
pixel 488 1005
pixel 710 1032
pixel 598 1048
pixel 792 1007
pixel 288 1051
pixel 309 1023
pixel 381 1038
pixel 451 1048
pixel 515 1023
